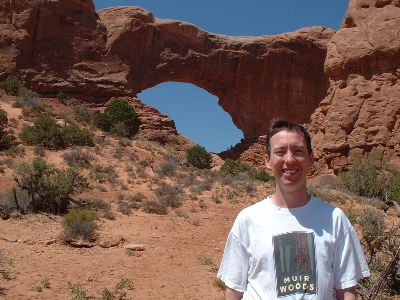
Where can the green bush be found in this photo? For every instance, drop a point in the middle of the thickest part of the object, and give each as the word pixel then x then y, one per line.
pixel 46 132
pixel 233 167
pixel 49 188
pixel 260 175
pixel 11 85
pixel 28 98
pixel 118 118
pixel 79 223
pixel 75 135
pixel 372 177
pixel 6 139
pixel 372 224
pixel 199 157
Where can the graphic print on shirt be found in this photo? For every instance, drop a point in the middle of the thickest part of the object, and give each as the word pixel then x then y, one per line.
pixel 295 270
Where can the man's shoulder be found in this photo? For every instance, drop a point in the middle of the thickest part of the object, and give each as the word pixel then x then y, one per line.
pixel 322 206
pixel 253 209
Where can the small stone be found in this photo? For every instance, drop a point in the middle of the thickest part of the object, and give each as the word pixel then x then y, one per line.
pixel 50 242
pixel 111 242
pixel 81 244
pixel 136 247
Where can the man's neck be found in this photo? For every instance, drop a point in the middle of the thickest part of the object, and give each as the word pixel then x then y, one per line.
pixel 290 199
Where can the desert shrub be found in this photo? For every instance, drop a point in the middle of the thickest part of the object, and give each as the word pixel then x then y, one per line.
pixel 98 204
pixel 28 98
pixel 199 157
pixel 12 201
pixel 103 173
pixel 78 292
pixel 373 227
pixel 11 85
pixel 49 188
pixel 167 168
pixel 394 187
pixel 75 135
pixel 14 151
pixel 169 195
pixel 381 242
pixel 260 175
pixel 45 131
pixel 124 207
pixel 154 207
pixel 78 157
pixel 203 185
pixel 7 206
pixel 118 118
pixel 6 139
pixel 372 177
pixel 39 151
pixel 135 201
pixel 83 114
pixel 233 167
pixel 79 223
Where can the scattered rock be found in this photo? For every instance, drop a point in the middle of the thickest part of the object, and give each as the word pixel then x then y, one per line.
pixel 50 242
pixel 110 242
pixel 81 244
pixel 136 247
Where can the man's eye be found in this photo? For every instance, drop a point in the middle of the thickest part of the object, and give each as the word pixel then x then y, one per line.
pixel 299 152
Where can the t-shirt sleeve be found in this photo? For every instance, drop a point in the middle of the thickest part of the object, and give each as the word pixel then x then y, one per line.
pixel 349 264
pixel 235 262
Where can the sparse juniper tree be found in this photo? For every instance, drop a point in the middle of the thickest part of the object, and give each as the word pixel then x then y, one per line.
pixel 119 118
pixel 199 157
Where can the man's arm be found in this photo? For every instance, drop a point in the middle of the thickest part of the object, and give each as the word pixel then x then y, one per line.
pixel 233 295
pixel 347 294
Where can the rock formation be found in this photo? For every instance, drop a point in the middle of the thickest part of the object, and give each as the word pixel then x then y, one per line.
pixel 58 46
pixel 361 112
pixel 66 46
pixel 344 85
pixel 255 78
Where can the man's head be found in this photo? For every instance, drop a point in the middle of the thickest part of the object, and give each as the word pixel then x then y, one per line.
pixel 278 125
pixel 289 156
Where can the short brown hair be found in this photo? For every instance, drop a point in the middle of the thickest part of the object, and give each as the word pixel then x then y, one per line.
pixel 278 125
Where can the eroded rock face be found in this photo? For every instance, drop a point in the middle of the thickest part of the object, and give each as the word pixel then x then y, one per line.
pixel 255 78
pixel 58 46
pixel 361 112
pixel 65 46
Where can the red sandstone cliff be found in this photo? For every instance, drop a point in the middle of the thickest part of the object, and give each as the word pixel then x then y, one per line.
pixel 361 111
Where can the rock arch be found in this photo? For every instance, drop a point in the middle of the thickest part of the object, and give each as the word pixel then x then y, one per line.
pixel 255 78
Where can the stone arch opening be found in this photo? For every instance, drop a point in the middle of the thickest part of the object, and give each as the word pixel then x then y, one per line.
pixel 196 113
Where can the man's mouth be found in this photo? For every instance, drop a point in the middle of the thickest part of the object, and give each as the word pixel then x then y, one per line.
pixel 290 171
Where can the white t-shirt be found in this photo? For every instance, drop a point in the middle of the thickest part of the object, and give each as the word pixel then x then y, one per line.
pixel 292 253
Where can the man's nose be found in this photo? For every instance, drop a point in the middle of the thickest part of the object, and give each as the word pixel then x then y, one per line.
pixel 289 157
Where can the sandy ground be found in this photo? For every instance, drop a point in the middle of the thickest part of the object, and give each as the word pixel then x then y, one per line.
pixel 175 265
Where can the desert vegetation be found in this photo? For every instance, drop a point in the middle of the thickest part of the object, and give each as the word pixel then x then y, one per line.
pixel 90 173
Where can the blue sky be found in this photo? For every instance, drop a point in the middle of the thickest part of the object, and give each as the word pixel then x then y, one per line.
pixel 196 112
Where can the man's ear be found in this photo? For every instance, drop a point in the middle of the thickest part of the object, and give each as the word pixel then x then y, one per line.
pixel 267 161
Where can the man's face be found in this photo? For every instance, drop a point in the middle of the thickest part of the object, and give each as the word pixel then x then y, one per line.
pixel 289 160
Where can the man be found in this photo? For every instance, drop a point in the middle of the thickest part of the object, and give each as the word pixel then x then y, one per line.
pixel 291 245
